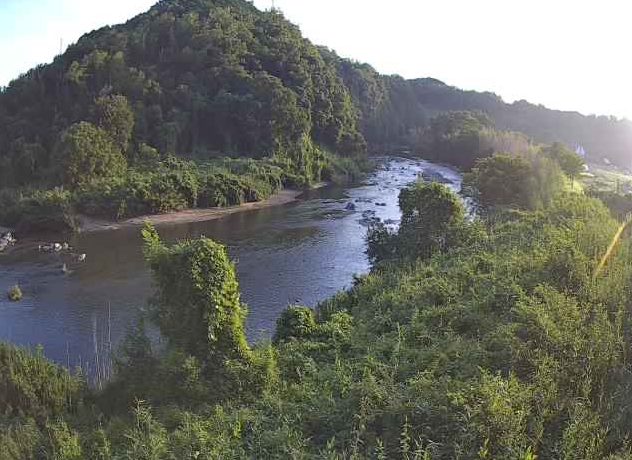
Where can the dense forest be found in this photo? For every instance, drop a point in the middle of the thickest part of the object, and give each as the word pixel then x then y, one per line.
pixel 194 78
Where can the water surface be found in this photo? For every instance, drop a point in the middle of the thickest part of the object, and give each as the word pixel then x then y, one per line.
pixel 303 252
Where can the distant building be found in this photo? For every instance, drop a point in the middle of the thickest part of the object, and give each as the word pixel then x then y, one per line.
pixel 579 150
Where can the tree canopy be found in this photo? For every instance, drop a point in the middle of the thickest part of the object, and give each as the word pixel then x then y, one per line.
pixel 86 152
pixel 514 181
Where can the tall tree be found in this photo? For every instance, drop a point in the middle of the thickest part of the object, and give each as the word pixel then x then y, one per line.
pixel 114 115
pixel 86 152
pixel 571 163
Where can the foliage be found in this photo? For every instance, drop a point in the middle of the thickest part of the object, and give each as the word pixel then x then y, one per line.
pixel 86 152
pixel 20 439
pixel 295 323
pixel 454 138
pixel 570 163
pixel 620 205
pixel 433 220
pixel 37 211
pixel 147 437
pixel 114 115
pixel 523 182
pixel 63 442
pixel 32 386
pixel 156 185
pixel 486 336
pixel 198 304
pixel 500 345
pixel 198 78
pixel 463 138
pixel 601 136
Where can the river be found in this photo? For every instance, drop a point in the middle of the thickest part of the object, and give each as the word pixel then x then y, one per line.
pixel 302 252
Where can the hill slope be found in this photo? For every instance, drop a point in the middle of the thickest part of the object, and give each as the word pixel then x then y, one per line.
pixel 208 78
pixel 202 78
pixel 393 108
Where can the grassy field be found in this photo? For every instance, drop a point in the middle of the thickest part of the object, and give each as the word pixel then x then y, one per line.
pixel 603 179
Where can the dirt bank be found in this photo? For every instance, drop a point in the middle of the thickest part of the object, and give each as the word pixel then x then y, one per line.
pixel 88 224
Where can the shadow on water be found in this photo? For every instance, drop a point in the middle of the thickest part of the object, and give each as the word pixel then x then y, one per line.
pixel 303 252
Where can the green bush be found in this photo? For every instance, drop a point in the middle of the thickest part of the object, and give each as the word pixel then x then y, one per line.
pixel 20 439
pixel 38 211
pixel 506 181
pixel 295 323
pixel 62 442
pixel 433 220
pixel 32 386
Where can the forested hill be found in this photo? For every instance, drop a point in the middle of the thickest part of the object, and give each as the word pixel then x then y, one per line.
pixel 207 78
pixel 202 77
pixel 395 110
pixel 601 137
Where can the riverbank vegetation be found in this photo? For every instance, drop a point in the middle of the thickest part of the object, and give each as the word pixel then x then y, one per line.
pixel 132 118
pixel 165 185
pixel 486 337
pixel 209 79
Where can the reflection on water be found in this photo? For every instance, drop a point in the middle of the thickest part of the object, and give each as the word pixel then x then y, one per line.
pixel 302 253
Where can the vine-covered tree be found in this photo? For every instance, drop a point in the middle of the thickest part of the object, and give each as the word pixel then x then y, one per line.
pixel 197 305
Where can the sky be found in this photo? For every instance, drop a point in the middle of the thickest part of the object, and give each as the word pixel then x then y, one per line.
pixel 565 54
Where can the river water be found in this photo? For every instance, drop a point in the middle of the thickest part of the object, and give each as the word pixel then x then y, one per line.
pixel 303 252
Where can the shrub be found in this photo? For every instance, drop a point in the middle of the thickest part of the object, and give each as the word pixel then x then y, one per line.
pixel 31 385
pixel 63 442
pixel 20 439
pixel 39 211
pixel 433 220
pixel 295 323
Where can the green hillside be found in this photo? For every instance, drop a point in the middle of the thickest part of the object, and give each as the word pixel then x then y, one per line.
pixel 201 79
pixel 209 78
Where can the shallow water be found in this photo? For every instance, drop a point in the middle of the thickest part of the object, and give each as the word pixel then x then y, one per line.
pixel 303 252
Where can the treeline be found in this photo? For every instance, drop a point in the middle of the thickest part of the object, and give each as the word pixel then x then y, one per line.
pixel 394 110
pixel 501 168
pixel 161 185
pixel 601 136
pixel 491 337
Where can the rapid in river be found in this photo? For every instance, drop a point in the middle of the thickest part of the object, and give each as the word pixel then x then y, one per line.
pixel 302 252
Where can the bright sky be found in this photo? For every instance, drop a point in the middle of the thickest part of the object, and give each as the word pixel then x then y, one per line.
pixel 565 54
